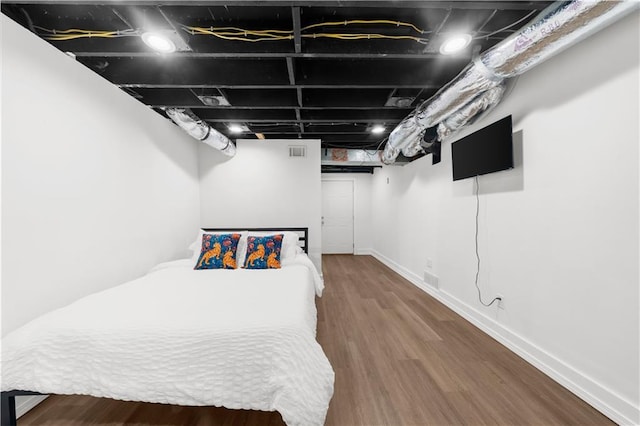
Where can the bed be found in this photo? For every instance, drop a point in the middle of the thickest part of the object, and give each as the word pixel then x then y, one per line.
pixel 240 338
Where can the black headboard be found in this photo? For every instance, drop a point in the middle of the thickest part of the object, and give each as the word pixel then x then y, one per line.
pixel 303 233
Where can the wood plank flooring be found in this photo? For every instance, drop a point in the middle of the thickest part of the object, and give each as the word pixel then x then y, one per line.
pixel 400 358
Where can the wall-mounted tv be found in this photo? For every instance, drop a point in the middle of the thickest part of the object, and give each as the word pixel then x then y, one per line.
pixel 488 150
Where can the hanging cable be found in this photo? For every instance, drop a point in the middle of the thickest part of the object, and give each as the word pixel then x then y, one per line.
pixel 377 147
pixel 242 34
pixel 507 27
pixel 365 21
pixel 74 33
pixel 239 34
pixel 477 251
pixel 365 36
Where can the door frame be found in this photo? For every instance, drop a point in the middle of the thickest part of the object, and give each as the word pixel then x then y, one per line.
pixel 353 207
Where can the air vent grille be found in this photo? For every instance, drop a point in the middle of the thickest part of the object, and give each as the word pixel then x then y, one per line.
pixel 297 151
pixel 400 101
pixel 214 100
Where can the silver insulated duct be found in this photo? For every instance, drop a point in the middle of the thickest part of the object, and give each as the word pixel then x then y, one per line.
pixel 352 157
pixel 200 130
pixel 481 85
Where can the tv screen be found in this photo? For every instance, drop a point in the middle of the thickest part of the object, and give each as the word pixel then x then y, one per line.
pixel 488 150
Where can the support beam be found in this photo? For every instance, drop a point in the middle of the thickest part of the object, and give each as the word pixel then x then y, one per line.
pixel 297 33
pixel 284 132
pixel 123 19
pixel 275 86
pixel 272 107
pixel 299 96
pixel 300 124
pixel 267 55
pixel 173 26
pixel 418 4
pixel 292 80
pixel 291 71
pixel 249 122
pixel 444 21
pixel 486 21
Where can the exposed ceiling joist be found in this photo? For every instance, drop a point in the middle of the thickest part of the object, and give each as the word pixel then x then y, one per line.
pixel 266 120
pixel 266 55
pixel 276 86
pixel 327 69
pixel 267 107
pixel 418 4
pixel 297 35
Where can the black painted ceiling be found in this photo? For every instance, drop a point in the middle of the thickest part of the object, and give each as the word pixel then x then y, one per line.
pixel 302 81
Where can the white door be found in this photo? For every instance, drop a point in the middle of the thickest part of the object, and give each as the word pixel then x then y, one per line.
pixel 337 216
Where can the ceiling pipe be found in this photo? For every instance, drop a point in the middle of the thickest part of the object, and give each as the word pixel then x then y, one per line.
pixel 353 157
pixel 478 87
pixel 469 113
pixel 201 131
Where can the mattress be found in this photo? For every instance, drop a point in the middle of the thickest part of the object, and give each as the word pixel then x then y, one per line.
pixel 242 339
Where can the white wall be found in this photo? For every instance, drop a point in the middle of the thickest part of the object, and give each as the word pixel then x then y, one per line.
pixel 362 238
pixel 558 234
pixel 263 187
pixel 96 188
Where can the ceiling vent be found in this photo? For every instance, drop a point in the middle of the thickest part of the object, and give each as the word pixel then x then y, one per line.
pixel 209 100
pixel 297 151
pixel 400 101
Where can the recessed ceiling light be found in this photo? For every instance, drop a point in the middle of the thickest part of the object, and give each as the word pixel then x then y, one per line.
pixel 378 129
pixel 455 44
pixel 159 42
pixel 235 128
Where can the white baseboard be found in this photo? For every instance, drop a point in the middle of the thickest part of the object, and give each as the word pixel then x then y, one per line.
pixel 27 402
pixel 612 405
pixel 364 251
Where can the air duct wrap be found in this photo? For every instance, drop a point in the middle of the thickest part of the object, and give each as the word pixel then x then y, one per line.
pixel 481 85
pixel 407 130
pixel 471 111
pixel 201 131
pixel 559 26
pixel 349 157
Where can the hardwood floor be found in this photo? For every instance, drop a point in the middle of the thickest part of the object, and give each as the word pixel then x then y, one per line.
pixel 400 358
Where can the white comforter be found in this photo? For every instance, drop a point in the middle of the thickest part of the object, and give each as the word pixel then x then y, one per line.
pixel 232 338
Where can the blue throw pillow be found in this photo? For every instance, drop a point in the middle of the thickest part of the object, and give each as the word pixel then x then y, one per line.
pixel 218 251
pixel 263 252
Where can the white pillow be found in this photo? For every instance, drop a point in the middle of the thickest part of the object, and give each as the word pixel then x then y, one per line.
pixel 289 244
pixel 196 246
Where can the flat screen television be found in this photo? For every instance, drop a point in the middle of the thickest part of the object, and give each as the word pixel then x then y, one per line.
pixel 488 150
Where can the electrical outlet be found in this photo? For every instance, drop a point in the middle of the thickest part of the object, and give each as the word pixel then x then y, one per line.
pixel 429 263
pixel 501 304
